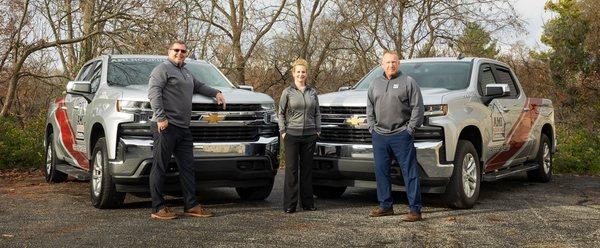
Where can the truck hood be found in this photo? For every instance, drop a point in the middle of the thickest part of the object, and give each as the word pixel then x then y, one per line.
pixel 358 98
pixel 235 96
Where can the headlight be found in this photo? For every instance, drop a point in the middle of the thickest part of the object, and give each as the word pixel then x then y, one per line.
pixel 133 106
pixel 274 117
pixel 436 110
pixel 141 110
pixel 268 106
pixel 270 114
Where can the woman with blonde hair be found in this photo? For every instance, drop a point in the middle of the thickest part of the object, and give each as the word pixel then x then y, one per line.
pixel 299 126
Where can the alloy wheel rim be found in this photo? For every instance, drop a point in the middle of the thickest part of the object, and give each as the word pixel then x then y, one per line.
pixel 547 158
pixel 97 174
pixel 48 160
pixel 469 169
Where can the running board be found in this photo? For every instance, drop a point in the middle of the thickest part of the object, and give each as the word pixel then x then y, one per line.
pixel 78 174
pixel 495 175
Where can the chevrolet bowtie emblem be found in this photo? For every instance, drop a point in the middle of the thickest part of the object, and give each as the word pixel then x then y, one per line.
pixel 213 118
pixel 355 121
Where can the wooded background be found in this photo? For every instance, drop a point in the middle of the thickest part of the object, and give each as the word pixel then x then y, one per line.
pixel 45 42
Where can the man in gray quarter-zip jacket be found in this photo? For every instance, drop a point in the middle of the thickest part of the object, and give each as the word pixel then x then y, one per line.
pixel 170 90
pixel 394 110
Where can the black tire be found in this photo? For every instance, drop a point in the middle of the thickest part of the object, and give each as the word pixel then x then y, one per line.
pixel 51 174
pixel 328 192
pixel 255 193
pixel 543 173
pixel 105 195
pixel 462 193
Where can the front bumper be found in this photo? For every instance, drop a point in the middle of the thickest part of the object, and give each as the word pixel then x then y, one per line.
pixel 339 164
pixel 224 164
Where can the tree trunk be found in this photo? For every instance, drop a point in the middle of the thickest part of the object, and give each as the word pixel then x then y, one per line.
pixel 12 84
pixel 87 46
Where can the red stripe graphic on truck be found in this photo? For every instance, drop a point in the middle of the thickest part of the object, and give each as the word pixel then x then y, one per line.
pixel 517 136
pixel 66 135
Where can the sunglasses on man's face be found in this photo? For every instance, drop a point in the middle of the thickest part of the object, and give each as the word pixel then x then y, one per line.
pixel 179 50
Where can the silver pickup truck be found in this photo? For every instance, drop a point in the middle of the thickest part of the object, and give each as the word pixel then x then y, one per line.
pixel 100 130
pixel 479 125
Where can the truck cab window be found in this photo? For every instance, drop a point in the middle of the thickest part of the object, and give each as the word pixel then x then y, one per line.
pixel 504 77
pixel 486 77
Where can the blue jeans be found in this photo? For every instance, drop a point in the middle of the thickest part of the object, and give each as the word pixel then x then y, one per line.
pixel 401 147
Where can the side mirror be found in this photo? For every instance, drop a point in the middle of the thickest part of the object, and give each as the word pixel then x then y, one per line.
pixel 246 87
pixel 79 87
pixel 494 90
pixel 497 90
pixel 343 88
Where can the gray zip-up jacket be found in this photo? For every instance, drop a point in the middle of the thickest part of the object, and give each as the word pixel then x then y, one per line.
pixel 394 105
pixel 170 90
pixel 299 112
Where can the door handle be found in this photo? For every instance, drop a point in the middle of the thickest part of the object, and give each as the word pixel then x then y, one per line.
pixel 505 109
pixel 526 109
pixel 76 107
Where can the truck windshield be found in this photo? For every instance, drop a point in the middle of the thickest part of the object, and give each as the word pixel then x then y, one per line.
pixel 136 71
pixel 447 75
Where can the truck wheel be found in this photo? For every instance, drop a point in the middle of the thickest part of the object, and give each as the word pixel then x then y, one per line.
pixel 544 160
pixel 102 187
pixel 51 174
pixel 255 193
pixel 328 192
pixel 463 189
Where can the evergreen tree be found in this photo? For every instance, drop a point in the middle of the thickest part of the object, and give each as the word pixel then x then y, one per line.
pixel 477 42
pixel 565 35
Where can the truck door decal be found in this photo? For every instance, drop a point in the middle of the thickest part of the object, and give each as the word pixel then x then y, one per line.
pixel 517 137
pixel 66 135
pixel 498 123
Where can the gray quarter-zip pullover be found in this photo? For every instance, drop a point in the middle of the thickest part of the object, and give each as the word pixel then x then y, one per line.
pixel 299 112
pixel 170 90
pixel 394 105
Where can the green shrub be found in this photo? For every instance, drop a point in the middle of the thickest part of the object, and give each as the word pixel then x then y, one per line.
pixel 577 152
pixel 21 143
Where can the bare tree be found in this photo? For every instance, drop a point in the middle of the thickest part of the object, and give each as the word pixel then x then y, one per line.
pixel 29 38
pixel 244 25
pixel 417 27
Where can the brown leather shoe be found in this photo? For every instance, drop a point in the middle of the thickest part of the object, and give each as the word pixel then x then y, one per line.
pixel 412 217
pixel 198 211
pixel 163 214
pixel 378 212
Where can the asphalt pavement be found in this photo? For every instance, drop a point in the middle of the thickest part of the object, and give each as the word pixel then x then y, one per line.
pixel 510 213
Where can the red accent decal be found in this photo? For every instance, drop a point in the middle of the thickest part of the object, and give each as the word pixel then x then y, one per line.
pixel 66 135
pixel 517 136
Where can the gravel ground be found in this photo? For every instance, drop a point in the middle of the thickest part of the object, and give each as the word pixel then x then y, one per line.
pixel 510 213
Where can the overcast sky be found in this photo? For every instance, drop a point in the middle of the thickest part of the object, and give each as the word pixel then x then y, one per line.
pixel 534 15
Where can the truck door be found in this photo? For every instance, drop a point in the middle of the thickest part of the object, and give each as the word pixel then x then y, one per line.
pixel 520 123
pixel 76 109
pixel 505 112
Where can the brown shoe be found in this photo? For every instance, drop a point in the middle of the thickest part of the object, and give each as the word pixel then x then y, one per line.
pixel 198 211
pixel 378 212
pixel 412 217
pixel 163 214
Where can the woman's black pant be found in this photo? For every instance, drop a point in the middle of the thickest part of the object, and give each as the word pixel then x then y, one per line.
pixel 299 152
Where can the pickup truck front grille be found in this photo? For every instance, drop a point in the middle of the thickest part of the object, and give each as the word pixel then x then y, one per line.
pixel 213 107
pixel 205 133
pixel 345 135
pixel 348 125
pixel 343 110
pixel 224 134
pixel 363 136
